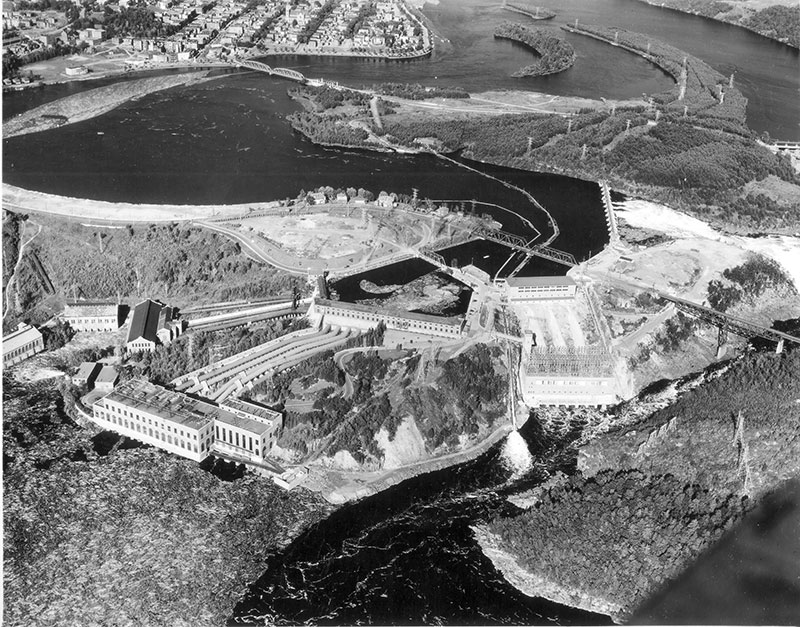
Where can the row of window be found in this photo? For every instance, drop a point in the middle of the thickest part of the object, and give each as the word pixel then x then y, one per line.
pixel 430 326
pixel 149 420
pixel 31 347
pixel 92 320
pixel 157 435
pixel 230 436
pixel 564 382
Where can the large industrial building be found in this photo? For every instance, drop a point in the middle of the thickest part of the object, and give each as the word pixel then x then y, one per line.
pixel 152 324
pixel 25 342
pixel 187 426
pixel 569 376
pixel 93 316
pixel 540 287
pixel 362 316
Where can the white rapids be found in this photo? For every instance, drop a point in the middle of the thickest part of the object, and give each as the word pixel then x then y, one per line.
pixel 515 454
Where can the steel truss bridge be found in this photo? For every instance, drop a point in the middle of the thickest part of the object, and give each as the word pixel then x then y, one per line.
pixel 526 246
pixel 277 71
pixel 731 324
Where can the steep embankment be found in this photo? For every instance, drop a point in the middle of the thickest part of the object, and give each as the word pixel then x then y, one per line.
pixel 383 409
pixel 652 494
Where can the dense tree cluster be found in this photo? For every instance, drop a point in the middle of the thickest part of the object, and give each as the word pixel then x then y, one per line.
pixel 316 21
pixel 618 535
pixel 171 259
pixel 418 92
pixel 329 130
pixel 12 228
pixel 137 20
pixel 325 97
pixel 360 19
pixel 196 350
pixel 556 54
pixel 781 22
pixel 702 446
pixel 750 279
pixel 468 395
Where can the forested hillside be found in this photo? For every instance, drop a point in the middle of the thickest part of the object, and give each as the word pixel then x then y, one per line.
pixel 180 263
pixel 461 397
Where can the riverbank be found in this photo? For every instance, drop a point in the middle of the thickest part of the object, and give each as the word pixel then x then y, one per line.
pixel 339 487
pixel 22 200
pixel 778 20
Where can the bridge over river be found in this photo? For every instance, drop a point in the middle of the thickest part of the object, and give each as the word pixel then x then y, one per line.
pixel 294 75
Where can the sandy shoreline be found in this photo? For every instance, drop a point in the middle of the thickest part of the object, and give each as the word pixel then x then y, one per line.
pixel 24 201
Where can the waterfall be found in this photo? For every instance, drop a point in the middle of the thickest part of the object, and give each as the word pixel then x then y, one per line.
pixel 515 454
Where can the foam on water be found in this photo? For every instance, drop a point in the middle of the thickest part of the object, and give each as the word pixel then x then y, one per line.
pixel 515 454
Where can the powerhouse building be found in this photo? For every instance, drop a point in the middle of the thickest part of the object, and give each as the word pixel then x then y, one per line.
pixel 187 426
pixel 363 316
pixel 152 324
pixel 540 288
pixel 92 316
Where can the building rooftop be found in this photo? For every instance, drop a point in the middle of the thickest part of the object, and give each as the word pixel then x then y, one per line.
pixel 526 281
pixel 23 335
pixel 242 422
pixel 190 412
pixel 87 369
pixel 90 308
pixel 257 411
pixel 409 315
pixel 107 374
pixel 145 321
pixel 177 408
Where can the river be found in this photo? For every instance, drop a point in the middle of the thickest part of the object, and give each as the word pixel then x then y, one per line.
pixel 408 556
pixel 405 555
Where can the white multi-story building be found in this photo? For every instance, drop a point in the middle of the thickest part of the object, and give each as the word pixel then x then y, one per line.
pixel 154 415
pixel 92 316
pixel 246 430
pixel 187 426
pixel 540 287
pixel 365 317
pixel 568 390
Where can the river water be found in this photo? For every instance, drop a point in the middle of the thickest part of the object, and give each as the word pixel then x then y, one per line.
pixel 406 555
